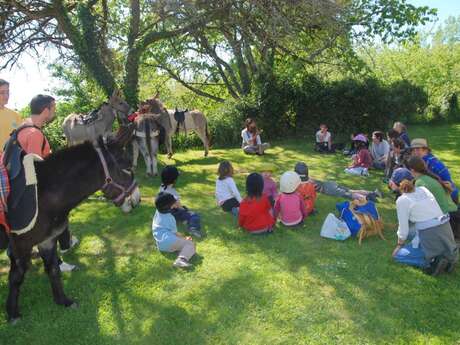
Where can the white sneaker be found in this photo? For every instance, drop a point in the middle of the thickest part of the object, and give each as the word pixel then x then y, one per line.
pixel 65 267
pixel 73 242
pixel 181 263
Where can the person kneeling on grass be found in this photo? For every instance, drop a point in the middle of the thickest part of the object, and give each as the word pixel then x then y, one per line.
pixel 255 210
pixel 252 144
pixel 433 247
pixel 165 233
pixel 289 205
pixel 362 161
pixel 169 176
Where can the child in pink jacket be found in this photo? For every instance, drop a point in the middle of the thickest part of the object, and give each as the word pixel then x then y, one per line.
pixel 289 205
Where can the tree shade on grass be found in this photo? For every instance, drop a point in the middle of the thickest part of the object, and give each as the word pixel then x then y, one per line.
pixel 292 287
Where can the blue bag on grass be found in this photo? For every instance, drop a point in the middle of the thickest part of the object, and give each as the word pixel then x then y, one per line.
pixel 345 214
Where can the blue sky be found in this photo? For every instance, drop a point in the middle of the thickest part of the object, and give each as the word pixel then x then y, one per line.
pixel 31 77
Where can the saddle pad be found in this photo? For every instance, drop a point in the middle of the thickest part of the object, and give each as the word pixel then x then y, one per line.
pixel 86 119
pixel 23 200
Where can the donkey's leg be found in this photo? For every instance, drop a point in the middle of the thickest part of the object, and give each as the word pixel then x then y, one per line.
pixel 145 153
pixel 154 150
pixel 168 143
pixel 19 263
pixel 48 252
pixel 201 131
pixel 135 147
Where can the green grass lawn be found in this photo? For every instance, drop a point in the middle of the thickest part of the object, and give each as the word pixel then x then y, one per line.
pixel 292 287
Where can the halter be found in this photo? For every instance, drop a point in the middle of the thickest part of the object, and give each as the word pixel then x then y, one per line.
pixel 124 192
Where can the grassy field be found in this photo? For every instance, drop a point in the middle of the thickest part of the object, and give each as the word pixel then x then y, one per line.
pixel 292 287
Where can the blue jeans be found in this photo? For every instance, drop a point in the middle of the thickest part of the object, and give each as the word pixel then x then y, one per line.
pixel 408 255
pixel 183 214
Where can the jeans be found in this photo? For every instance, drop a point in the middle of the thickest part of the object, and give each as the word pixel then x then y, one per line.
pixel 192 219
pixel 411 256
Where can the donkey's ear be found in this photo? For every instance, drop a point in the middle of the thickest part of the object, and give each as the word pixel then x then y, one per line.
pixel 186 110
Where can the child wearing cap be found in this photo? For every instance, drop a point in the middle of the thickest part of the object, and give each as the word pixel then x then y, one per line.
pixel 420 218
pixel 307 188
pixel 255 210
pixel 165 233
pixel 362 161
pixel 181 213
pixel 227 195
pixel 289 205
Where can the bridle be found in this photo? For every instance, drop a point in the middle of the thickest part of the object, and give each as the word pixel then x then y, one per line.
pixel 109 182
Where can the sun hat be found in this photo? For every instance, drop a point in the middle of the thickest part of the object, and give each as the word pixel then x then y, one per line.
pixel 164 201
pixel 401 174
pixel 302 170
pixel 419 143
pixel 360 137
pixel 289 182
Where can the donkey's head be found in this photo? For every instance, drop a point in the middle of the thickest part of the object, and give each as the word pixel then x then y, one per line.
pixel 119 185
pixel 121 107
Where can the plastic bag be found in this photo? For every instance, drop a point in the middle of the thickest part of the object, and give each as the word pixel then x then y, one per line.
pixel 334 228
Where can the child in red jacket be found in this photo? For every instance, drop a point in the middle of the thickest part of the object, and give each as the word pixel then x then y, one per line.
pixel 362 161
pixel 255 210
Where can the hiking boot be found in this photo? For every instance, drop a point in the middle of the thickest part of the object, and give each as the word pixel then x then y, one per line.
pixel 182 263
pixel 195 232
pixel 65 267
pixel 73 242
pixel 437 266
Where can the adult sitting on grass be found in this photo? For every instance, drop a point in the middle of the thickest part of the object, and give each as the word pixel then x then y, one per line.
pixel 323 140
pixel 379 150
pixel 401 129
pixel 440 190
pixel 419 147
pixel 252 144
pixel 397 157
pixel 433 247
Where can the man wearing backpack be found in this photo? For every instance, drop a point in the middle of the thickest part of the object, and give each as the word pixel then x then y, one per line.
pixel 9 119
pixel 33 140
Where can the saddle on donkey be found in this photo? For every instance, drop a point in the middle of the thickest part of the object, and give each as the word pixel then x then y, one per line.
pixel 18 185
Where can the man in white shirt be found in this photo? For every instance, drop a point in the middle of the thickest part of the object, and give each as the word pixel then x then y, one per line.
pixel 323 139
pixel 252 144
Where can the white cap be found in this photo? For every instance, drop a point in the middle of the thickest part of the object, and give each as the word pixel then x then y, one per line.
pixel 289 182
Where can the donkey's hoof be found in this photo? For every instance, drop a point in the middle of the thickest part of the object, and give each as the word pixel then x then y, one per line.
pixel 74 305
pixel 14 320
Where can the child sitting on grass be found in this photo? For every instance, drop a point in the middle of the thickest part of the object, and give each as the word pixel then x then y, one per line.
pixel 362 161
pixel 306 189
pixel 165 233
pixel 289 206
pixel 227 195
pixel 332 188
pixel 270 187
pixel 181 213
pixel 323 140
pixel 255 210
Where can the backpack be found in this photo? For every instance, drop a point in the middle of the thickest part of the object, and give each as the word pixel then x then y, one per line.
pixel 362 219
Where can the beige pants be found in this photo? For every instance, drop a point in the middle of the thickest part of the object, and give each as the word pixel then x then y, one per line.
pixel 186 248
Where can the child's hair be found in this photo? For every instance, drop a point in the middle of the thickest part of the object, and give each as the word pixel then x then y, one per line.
pixel 400 126
pixel 407 186
pixel 169 175
pixel 418 164
pixel 393 134
pixel 225 170
pixel 254 185
pixel 379 135
pixel 399 143
pixel 360 144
